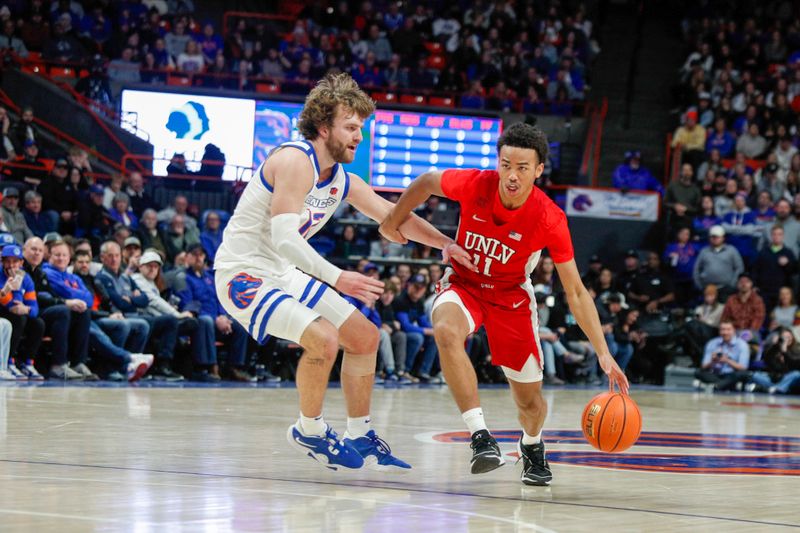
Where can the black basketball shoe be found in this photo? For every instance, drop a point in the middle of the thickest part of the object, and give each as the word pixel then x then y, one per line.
pixel 486 454
pixel 535 469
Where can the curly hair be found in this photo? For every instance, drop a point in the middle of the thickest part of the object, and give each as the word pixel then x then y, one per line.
pixel 321 103
pixel 522 135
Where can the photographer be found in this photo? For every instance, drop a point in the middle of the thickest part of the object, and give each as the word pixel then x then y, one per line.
pixel 725 361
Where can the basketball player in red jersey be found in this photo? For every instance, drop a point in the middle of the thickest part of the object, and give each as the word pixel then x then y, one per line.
pixel 505 224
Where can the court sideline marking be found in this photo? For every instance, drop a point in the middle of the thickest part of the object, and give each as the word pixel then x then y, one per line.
pixel 400 488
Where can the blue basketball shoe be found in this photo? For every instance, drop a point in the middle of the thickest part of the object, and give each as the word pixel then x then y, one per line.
pixel 327 449
pixel 376 453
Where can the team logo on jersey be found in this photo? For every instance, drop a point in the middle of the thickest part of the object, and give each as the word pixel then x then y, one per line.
pixel 242 289
pixel 334 190
pixel 765 455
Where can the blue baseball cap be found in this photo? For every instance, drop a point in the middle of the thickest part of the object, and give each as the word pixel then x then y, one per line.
pixel 12 250
pixel 6 239
pixel 96 189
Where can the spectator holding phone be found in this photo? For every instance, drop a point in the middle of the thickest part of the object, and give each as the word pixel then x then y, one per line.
pixel 725 361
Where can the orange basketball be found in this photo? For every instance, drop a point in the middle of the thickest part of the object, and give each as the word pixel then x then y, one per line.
pixel 611 422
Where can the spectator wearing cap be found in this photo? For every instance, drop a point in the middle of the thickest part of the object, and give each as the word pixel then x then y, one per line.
pixel 121 211
pixel 211 236
pixel 201 331
pixel 770 182
pixel 58 195
pixel 131 252
pixel 751 144
pixel 691 137
pixel 721 139
pixel 631 175
pixel 630 271
pixel 25 130
pixel 774 267
pixel 705 114
pixel 592 271
pixel 40 223
pixel 29 167
pixel 745 309
pixel 741 229
pixel 13 217
pixel 409 309
pixel 92 217
pixel 371 270
pixel 719 263
pixel 682 198
pixel 200 298
pixel 70 305
pixel 680 257
pixel 18 305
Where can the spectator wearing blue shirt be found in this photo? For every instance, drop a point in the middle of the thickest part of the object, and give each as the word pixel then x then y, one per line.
pixel 40 223
pixel 706 219
pixel 725 360
pixel 740 226
pixel 632 176
pixel 681 256
pixel 200 297
pixel 721 139
pixel 409 309
pixel 18 305
pixel 210 43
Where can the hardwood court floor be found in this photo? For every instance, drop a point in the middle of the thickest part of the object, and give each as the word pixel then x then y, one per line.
pixel 143 459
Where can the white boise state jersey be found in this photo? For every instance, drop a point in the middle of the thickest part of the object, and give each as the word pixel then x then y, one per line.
pixel 247 240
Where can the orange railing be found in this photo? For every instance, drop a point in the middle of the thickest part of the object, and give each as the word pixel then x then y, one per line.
pixel 4 98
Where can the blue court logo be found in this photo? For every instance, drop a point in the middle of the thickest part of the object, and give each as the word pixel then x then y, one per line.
pixel 767 455
pixel 189 121
pixel 242 289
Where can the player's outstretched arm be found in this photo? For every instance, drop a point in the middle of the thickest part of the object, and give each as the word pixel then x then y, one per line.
pixel 581 304
pixel 379 209
pixel 422 188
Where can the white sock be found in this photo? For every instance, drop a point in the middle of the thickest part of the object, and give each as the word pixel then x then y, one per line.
pixel 312 426
pixel 474 420
pixel 528 439
pixel 358 426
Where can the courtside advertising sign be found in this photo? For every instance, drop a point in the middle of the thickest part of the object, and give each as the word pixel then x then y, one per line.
pixel 612 204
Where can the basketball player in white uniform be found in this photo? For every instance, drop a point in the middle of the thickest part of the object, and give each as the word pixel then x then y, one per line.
pixel 274 283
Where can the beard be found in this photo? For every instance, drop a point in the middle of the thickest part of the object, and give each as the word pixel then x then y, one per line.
pixel 337 150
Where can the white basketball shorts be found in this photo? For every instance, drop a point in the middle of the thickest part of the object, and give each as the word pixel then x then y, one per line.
pixel 281 306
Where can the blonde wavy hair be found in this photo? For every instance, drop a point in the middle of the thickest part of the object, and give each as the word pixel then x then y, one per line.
pixel 321 103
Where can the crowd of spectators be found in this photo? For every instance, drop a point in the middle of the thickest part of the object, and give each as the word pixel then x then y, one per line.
pixel 530 56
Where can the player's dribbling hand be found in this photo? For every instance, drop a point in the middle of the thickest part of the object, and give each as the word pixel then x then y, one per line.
pixel 614 373
pixel 454 252
pixel 359 286
pixel 389 229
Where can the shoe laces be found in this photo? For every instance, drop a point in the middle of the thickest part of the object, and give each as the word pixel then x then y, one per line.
pixel 380 444
pixel 333 438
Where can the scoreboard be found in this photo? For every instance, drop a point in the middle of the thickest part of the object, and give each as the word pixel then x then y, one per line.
pixel 404 145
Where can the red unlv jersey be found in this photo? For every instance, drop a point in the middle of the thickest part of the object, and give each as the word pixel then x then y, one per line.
pixel 505 243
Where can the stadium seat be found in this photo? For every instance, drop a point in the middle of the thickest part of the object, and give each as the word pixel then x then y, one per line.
pixel 436 62
pixel 62 72
pixel 441 101
pixel 182 81
pixel 434 48
pixel 268 88
pixel 384 97
pixel 412 99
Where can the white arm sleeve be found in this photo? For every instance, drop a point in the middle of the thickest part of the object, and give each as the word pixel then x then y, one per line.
pixel 293 246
